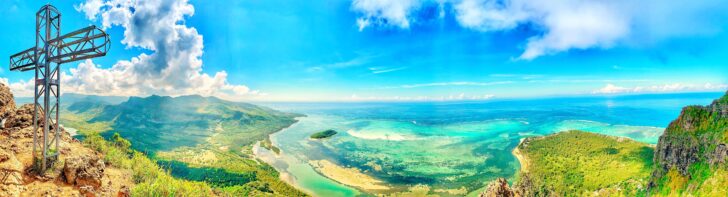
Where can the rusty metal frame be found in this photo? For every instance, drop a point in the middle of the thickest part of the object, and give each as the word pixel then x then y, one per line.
pixel 51 50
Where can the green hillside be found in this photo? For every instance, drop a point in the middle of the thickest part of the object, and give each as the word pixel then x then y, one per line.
pixel 577 163
pixel 160 123
pixel 193 137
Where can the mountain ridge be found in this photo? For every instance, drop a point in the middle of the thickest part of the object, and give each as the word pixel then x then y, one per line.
pixel 194 137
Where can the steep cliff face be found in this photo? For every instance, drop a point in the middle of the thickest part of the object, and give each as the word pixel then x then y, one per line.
pixel 692 155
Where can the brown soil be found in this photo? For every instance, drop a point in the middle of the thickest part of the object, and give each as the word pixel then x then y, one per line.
pixel 93 177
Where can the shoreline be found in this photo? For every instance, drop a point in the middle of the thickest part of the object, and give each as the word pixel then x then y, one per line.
pixel 284 174
pixel 351 177
pixel 522 160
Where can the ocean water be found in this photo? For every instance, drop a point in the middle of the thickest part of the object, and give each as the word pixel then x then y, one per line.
pixel 450 145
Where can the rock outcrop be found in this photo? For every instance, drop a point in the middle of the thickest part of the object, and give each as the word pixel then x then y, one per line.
pixel 82 173
pixel 22 117
pixel 7 103
pixel 498 188
pixel 699 136
pixel 523 188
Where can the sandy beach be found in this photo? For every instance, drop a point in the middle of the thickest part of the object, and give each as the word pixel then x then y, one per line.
pixel 347 176
pixel 521 158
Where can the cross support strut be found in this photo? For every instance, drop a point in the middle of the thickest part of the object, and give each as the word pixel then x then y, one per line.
pixel 50 51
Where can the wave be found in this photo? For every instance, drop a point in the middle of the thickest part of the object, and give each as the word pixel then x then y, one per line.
pixel 380 135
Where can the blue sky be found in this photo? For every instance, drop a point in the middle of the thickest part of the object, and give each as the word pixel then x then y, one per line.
pixel 387 50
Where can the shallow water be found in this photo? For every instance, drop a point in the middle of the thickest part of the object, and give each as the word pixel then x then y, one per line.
pixel 451 145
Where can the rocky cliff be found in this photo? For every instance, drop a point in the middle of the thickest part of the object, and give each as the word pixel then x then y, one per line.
pixel 79 172
pixel 692 152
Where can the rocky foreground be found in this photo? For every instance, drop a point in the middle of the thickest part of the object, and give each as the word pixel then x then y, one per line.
pixel 79 171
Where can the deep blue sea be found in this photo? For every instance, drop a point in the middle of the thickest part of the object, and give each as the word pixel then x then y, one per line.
pixel 449 148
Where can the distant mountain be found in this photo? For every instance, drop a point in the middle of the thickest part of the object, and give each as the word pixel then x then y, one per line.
pixel 109 100
pixel 193 137
pixel 163 123
pixel 69 98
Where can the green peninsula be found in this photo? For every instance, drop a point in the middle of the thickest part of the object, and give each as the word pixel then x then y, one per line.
pixel 581 163
pixel 690 159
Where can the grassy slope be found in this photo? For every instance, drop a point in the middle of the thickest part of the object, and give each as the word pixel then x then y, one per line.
pixel 576 163
pixel 229 165
pixel 150 179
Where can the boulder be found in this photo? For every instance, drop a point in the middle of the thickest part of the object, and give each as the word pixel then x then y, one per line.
pixel 84 172
pixel 7 103
pixel 720 155
pixel 23 117
pixel 497 188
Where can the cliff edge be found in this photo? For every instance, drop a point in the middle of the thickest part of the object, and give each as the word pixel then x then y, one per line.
pixel 691 157
pixel 78 172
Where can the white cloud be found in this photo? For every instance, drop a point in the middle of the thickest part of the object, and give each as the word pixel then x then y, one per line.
pixel 675 87
pixel 611 89
pixel 91 8
pixel 385 12
pixel 380 70
pixel 20 88
pixel 173 68
pixel 566 24
pixel 488 15
pixel 563 25
pixel 576 25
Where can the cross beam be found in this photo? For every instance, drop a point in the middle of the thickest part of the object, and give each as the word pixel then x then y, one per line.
pixel 50 51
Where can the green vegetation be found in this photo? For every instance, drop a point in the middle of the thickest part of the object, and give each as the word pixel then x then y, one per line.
pixel 150 179
pixel 689 160
pixel 577 163
pixel 164 123
pixel 323 134
pixel 203 140
pixel 259 172
pixel 269 145
pixel 701 128
pixel 215 176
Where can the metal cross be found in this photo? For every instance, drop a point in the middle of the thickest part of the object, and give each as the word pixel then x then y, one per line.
pixel 51 50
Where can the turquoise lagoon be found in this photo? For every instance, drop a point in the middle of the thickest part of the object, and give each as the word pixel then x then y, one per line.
pixel 456 146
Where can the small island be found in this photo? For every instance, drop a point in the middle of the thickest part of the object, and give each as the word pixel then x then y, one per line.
pixel 323 134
